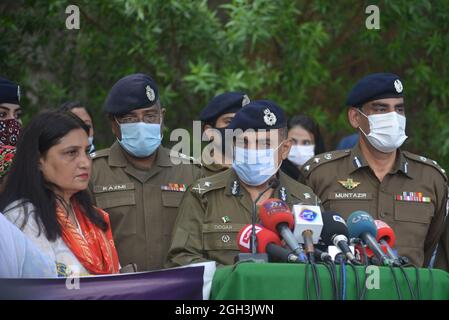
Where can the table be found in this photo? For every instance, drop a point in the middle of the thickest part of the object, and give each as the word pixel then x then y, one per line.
pixel 260 281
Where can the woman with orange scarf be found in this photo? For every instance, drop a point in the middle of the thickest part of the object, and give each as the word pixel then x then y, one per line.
pixel 46 196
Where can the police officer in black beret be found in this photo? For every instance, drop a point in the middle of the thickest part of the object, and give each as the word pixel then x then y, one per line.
pixel 10 112
pixel 138 181
pixel 216 117
pixel 405 190
pixel 215 208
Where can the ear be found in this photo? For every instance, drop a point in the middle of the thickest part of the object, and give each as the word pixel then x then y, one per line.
pixel 285 148
pixel 207 132
pixel 116 129
pixel 162 120
pixel 40 163
pixel 162 115
pixel 354 117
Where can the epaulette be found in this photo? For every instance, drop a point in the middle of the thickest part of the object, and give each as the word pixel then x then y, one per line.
pixel 100 153
pixel 426 161
pixel 323 158
pixel 204 185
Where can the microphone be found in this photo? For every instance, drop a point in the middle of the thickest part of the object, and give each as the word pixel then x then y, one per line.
pixel 308 226
pixel 273 183
pixel 322 256
pixel 387 238
pixel 335 233
pixel 267 242
pixel 276 216
pixel 361 225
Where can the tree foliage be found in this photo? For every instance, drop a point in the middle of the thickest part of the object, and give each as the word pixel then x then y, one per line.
pixel 305 55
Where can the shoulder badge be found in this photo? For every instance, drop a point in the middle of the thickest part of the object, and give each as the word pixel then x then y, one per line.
pixel 100 154
pixel 321 159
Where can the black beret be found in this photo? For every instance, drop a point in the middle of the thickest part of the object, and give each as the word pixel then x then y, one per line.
pixel 227 102
pixel 259 114
pixel 375 86
pixel 132 92
pixel 9 92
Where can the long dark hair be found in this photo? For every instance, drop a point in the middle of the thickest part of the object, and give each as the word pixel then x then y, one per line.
pixel 26 182
pixel 308 124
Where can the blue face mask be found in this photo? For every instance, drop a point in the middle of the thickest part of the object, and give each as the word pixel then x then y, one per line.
pixel 140 139
pixel 254 167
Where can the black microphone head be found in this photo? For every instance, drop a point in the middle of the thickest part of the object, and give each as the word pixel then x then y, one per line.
pixel 333 225
pixel 273 183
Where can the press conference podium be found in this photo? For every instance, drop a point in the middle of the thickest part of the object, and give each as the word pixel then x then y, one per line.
pixel 272 281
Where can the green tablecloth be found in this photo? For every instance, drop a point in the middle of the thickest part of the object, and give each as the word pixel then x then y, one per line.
pixel 256 281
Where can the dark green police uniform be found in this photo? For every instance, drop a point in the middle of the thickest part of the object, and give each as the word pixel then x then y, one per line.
pixel 212 213
pixel 142 205
pixel 411 198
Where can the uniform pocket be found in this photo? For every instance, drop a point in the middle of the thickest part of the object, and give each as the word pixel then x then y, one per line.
pixel 171 199
pixel 121 206
pixel 221 236
pixel 415 212
pixel 411 223
pixel 115 199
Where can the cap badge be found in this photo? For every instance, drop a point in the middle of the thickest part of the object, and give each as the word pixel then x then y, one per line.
pixel 245 100
pixel 269 117
pixel 349 183
pixel 398 86
pixel 150 93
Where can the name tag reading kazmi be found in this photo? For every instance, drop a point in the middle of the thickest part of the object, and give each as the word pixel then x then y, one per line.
pixel 114 187
pixel 350 196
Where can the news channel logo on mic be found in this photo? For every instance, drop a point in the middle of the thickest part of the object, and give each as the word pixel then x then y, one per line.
pixel 273 206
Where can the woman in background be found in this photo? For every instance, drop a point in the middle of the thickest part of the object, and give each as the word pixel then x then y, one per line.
pixel 84 114
pixel 10 112
pixel 307 142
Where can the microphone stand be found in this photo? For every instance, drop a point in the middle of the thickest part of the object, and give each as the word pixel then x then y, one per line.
pixel 254 256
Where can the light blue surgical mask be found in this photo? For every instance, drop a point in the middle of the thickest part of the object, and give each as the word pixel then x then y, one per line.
pixel 91 143
pixel 140 139
pixel 255 166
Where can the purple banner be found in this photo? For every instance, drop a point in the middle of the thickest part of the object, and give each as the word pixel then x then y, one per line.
pixel 173 284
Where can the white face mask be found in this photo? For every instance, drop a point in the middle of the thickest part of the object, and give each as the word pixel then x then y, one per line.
pixel 387 131
pixel 300 154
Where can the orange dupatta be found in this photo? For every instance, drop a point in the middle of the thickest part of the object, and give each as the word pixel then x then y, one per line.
pixel 96 251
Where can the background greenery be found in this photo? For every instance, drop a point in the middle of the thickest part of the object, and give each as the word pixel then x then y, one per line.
pixel 305 55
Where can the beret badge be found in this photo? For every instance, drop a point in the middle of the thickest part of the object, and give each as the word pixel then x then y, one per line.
pixel 269 117
pixel 150 93
pixel 398 86
pixel 245 100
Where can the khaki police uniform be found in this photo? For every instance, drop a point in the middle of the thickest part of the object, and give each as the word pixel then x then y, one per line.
pixel 142 205
pixel 411 198
pixel 214 210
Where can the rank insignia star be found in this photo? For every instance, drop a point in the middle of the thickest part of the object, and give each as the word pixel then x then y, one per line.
pixel 349 183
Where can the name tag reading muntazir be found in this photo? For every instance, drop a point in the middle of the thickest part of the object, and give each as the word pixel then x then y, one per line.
pixel 114 187
pixel 350 195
